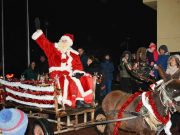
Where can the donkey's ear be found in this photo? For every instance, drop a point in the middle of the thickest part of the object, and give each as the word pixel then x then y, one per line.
pixel 162 73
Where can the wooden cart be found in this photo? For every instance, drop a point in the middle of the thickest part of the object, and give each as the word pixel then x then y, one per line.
pixel 49 121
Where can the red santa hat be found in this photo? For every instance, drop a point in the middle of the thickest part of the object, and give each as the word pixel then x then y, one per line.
pixel 69 38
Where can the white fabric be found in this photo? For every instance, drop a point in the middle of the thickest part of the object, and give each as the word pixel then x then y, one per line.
pixel 171 70
pixel 69 40
pixel 27 95
pixel 66 68
pixel 149 108
pixel 26 86
pixel 37 34
pixel 29 103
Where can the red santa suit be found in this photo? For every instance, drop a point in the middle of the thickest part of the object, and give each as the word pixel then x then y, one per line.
pixel 65 65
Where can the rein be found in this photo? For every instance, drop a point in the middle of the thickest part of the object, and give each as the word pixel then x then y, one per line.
pixel 165 98
pixel 122 109
pixel 148 102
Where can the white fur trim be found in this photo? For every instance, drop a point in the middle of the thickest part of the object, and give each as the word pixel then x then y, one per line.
pixel 67 68
pixel 65 91
pixel 80 99
pixel 63 64
pixel 63 55
pixel 29 103
pixel 69 40
pixel 73 51
pixel 88 92
pixel 80 88
pixel 56 45
pixel 37 34
pixel 69 61
pixel 64 101
pixel 26 86
pixel 27 95
pixel 78 71
pixel 78 83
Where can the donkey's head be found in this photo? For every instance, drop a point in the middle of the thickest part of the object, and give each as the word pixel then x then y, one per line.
pixel 173 92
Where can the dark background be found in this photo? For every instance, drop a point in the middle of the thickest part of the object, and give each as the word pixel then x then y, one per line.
pixel 99 26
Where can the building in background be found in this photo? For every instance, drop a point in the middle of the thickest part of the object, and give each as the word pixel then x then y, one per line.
pixel 168 20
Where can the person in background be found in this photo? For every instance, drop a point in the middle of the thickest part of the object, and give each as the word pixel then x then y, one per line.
pixel 107 67
pixel 133 58
pixel 173 68
pixel 30 73
pixel 152 58
pixel 173 72
pixel 152 55
pixel 163 58
pixel 125 76
pixel 83 57
pixel 94 68
pixel 43 67
pixel 13 121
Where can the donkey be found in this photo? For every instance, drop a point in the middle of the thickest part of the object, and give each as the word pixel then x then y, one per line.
pixel 154 108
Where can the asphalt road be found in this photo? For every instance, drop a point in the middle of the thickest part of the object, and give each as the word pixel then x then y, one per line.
pixel 86 131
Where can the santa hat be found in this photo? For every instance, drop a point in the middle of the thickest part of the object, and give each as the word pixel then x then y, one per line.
pixel 69 38
pixel 13 122
pixel 155 53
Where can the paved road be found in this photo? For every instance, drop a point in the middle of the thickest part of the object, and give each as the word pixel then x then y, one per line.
pixel 86 131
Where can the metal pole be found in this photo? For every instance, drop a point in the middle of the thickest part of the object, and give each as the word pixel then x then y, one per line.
pixel 2 19
pixel 28 45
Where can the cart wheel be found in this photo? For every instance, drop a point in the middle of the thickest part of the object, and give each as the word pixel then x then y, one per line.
pixel 100 116
pixel 42 127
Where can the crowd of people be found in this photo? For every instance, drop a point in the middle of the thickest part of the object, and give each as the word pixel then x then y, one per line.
pixel 135 70
pixel 75 69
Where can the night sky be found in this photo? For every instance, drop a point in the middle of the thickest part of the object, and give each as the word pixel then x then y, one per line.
pixel 99 26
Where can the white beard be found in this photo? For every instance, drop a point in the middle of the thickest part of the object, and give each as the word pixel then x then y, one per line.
pixel 63 47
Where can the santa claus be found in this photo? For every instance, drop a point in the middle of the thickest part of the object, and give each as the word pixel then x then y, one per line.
pixel 64 63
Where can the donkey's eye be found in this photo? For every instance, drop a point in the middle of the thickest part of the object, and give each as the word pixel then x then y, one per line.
pixel 175 90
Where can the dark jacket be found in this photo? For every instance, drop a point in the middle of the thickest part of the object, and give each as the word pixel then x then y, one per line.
pixel 93 68
pixel 43 67
pixel 150 56
pixel 84 59
pixel 30 74
pixel 107 69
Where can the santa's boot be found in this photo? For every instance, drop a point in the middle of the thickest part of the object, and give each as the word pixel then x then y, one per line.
pixel 81 104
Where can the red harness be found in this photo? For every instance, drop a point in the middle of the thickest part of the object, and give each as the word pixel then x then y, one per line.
pixel 162 119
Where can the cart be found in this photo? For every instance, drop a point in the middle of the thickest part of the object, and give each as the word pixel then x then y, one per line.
pixel 40 102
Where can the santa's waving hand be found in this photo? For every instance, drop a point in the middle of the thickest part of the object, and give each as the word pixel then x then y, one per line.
pixel 65 63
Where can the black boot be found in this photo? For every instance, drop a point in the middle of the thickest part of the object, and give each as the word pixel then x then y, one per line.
pixel 81 104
